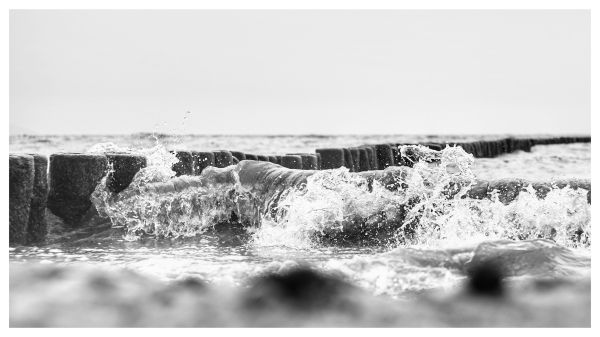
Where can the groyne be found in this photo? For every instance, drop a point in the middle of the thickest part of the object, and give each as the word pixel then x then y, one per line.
pixel 72 177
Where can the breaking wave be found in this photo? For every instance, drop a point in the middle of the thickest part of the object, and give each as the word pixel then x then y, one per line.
pixel 426 205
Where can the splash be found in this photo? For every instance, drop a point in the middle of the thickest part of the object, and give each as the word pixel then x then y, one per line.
pixel 561 216
pixel 425 205
pixel 158 169
pixel 332 206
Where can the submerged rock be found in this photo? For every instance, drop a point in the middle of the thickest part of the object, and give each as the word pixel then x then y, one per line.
pixel 300 289
pixel 507 189
pixel 485 279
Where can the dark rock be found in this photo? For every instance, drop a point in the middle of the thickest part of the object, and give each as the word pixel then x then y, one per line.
pixel 223 158
pixel 480 150
pixel 125 167
pixel 503 146
pixel 73 178
pixel 185 166
pixel 38 227
pixel 251 157
pixel 475 148
pixel 493 149
pixel 541 189
pixel 586 185
pixel 348 162
pixel 508 188
pixel 494 152
pixel 202 160
pixel 262 158
pixel 239 155
pixel 372 156
pixel 20 188
pixel 292 162
pixel 434 146
pixel 485 146
pixel 331 158
pixel 528 144
pixel 517 145
pixel 468 147
pixel 385 156
pixel 363 164
pixel 510 144
pixel 562 183
pixel 355 158
pixel 395 154
pixel 309 160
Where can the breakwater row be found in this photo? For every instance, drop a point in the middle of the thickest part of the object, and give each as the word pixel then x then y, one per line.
pixel 380 156
pixel 72 177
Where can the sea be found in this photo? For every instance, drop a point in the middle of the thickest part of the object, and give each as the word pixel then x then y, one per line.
pixel 394 245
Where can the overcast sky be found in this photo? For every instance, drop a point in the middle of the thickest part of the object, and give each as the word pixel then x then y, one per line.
pixel 300 72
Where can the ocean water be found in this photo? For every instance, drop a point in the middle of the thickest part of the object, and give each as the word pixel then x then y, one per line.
pixel 396 237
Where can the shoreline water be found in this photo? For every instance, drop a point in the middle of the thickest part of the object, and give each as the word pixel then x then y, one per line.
pixel 230 260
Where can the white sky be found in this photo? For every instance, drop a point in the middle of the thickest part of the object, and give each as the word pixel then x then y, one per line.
pixel 300 71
